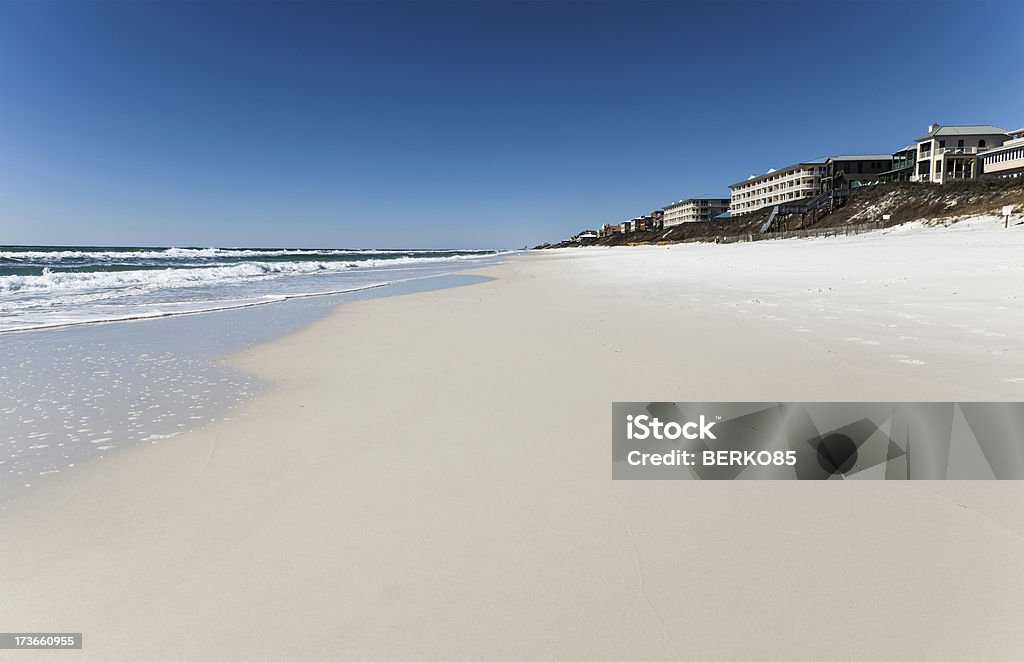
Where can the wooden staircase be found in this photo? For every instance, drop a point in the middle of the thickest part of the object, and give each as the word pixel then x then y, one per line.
pixel 830 199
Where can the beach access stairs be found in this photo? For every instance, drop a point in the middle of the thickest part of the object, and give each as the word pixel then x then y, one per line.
pixel 819 205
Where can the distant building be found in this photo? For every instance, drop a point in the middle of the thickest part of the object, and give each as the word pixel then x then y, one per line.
pixel 608 230
pixel 800 180
pixel 1006 160
pixel 638 224
pixel 903 163
pixel 692 210
pixel 951 152
pixel 854 171
pixel 586 235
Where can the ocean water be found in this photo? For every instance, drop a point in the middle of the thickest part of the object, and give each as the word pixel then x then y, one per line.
pixel 100 353
pixel 43 286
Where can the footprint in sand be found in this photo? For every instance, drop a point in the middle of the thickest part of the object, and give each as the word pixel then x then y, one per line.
pixel 912 361
pixel 907 337
pixel 862 341
pixel 1016 380
pixel 802 329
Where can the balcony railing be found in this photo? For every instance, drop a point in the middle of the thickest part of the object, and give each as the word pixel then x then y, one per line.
pixel 959 150
pixel 921 177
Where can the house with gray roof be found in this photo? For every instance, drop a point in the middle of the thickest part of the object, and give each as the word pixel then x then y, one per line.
pixel 948 153
pixel 903 164
pixel 854 170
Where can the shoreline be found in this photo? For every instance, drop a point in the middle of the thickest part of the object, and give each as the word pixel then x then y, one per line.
pixel 366 508
pixel 204 311
pixel 74 387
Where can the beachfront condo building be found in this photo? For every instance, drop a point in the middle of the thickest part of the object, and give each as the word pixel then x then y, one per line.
pixel 1006 160
pixel 638 224
pixel 800 180
pixel 903 163
pixel 693 210
pixel 947 153
pixel 854 170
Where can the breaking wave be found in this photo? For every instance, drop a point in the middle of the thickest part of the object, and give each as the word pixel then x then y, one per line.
pixel 27 254
pixel 172 277
pixel 43 287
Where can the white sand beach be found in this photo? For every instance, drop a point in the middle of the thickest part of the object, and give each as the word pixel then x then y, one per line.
pixel 430 478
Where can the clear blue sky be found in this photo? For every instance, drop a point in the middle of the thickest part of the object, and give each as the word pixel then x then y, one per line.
pixel 456 124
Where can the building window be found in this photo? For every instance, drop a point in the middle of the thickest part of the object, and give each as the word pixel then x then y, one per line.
pixel 959 143
pixel 981 143
pixel 942 143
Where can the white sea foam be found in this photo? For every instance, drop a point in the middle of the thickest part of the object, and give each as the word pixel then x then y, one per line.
pixel 175 277
pixel 67 281
pixel 66 294
pixel 205 253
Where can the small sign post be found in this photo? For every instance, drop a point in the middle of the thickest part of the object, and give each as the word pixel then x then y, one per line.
pixel 1007 210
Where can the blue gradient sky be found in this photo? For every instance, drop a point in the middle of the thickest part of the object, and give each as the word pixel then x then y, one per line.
pixel 455 124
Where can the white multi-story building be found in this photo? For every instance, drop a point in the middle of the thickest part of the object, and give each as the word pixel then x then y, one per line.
pixel 692 210
pixel 1006 160
pixel 801 180
pixel 951 152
